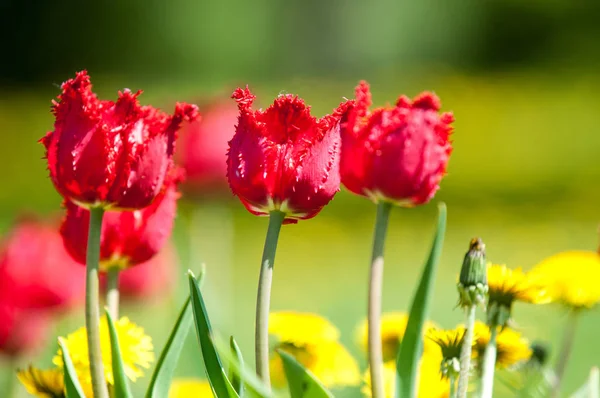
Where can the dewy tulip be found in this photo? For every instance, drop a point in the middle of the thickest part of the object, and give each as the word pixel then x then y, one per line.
pixel 110 154
pixel 202 148
pixel 128 237
pixel 283 158
pixel 397 154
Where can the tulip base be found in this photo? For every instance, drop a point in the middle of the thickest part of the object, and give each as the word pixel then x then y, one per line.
pixel 92 308
pixel 263 300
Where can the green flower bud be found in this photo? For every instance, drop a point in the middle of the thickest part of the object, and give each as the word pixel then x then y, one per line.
pixel 472 283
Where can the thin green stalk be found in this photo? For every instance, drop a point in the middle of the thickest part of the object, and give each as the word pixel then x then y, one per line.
pixel 489 364
pixel 465 353
pixel 565 349
pixel 92 308
pixel 375 291
pixel 263 299
pixel 452 386
pixel 112 292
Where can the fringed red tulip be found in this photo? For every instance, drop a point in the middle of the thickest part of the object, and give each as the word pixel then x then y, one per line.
pixel 397 154
pixel 110 154
pixel 202 148
pixel 128 238
pixel 284 159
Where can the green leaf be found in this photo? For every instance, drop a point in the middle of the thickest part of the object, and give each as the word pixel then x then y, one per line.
pixel 165 367
pixel 232 391
pixel 253 385
pixel 212 362
pixel 121 387
pixel 72 386
pixel 236 380
pixel 407 362
pixel 302 383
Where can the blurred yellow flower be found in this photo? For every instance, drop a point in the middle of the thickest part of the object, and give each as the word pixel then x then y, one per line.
pixel 190 388
pixel 449 340
pixel 393 326
pixel 313 341
pixel 508 285
pixel 512 348
pixel 48 383
pixel 431 384
pixel 136 350
pixel 572 277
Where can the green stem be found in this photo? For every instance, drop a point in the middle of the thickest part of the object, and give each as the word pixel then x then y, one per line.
pixel 375 291
pixel 92 309
pixel 465 353
pixel 112 292
pixel 263 299
pixel 452 386
pixel 565 349
pixel 489 364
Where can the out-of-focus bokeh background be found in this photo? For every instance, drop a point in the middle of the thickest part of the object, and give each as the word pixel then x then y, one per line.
pixel 520 76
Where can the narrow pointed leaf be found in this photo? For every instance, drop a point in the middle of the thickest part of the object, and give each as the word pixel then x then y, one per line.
pixel 301 382
pixel 407 362
pixel 212 362
pixel 236 380
pixel 121 386
pixel 232 391
pixel 253 386
pixel 72 386
pixel 165 367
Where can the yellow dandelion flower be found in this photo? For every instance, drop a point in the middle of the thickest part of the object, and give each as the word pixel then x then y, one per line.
pixel 431 384
pixel 48 383
pixel 508 285
pixel 292 327
pixel 136 349
pixel 190 388
pixel 393 326
pixel 512 348
pixel 449 341
pixel 312 340
pixel 572 278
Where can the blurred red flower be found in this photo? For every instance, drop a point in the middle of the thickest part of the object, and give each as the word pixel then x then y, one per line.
pixel 397 154
pixel 202 148
pixel 114 154
pixel 151 279
pixel 38 278
pixel 128 237
pixel 283 158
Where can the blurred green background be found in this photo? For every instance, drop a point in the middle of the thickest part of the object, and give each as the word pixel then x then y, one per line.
pixel 520 76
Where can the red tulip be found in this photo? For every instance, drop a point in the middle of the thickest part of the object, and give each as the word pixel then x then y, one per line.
pixel 128 237
pixel 37 270
pixel 21 331
pixel 114 154
pixel 203 147
pixel 153 278
pixel 397 154
pixel 283 158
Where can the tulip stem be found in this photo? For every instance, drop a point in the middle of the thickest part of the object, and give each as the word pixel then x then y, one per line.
pixel 465 352
pixel 92 308
pixel 565 349
pixel 112 291
pixel 263 299
pixel 375 291
pixel 489 364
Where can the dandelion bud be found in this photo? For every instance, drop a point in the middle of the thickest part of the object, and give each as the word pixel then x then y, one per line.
pixel 540 353
pixel 472 284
